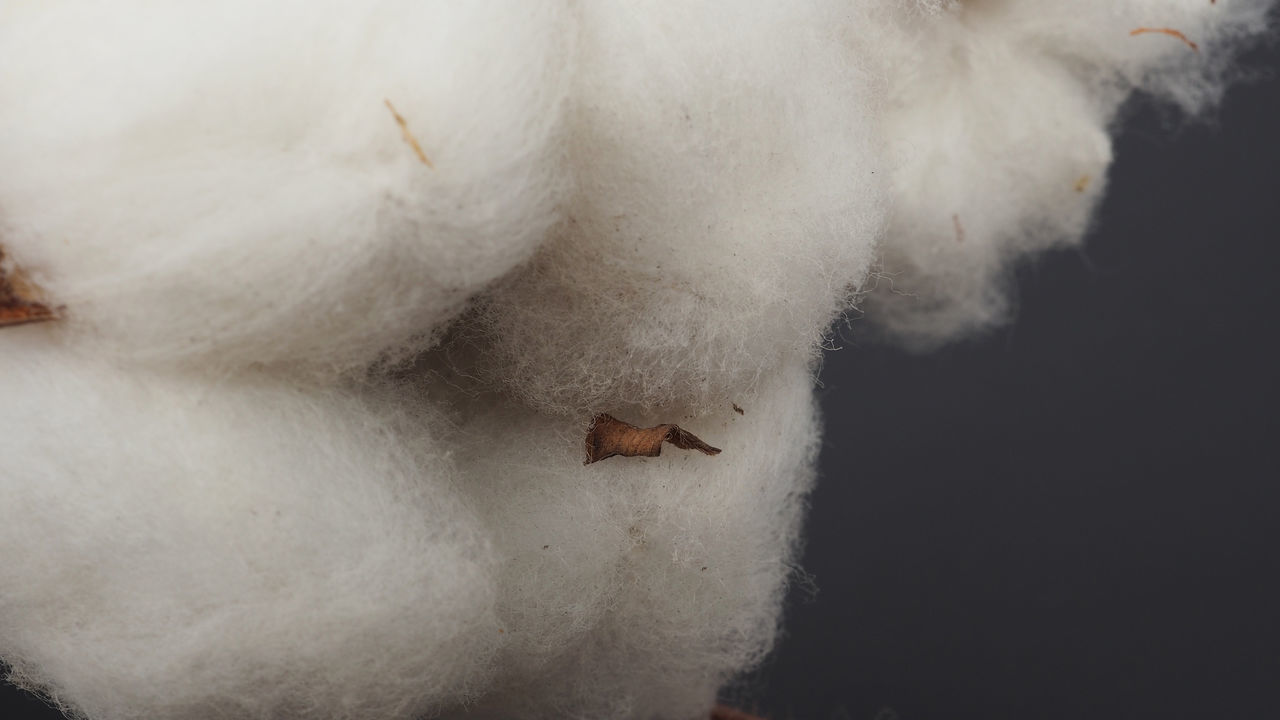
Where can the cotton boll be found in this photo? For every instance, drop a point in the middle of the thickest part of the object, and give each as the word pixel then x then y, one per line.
pixel 224 183
pixel 648 208
pixel 240 549
pixel 635 587
pixel 998 128
pixel 726 202
pixel 180 548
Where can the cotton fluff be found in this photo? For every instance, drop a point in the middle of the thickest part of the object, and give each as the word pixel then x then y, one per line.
pixel 183 547
pixel 637 588
pixel 308 440
pixel 726 199
pixel 997 127
pixel 224 183
pixel 242 549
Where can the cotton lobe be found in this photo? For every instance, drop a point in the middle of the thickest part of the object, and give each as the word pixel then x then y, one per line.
pixel 342 287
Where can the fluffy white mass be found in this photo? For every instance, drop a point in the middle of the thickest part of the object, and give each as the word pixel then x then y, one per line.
pixel 225 183
pixel 343 285
pixel 727 198
pixel 998 117
pixel 231 548
pixel 242 548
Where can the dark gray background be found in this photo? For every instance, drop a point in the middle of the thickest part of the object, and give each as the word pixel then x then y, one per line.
pixel 1073 517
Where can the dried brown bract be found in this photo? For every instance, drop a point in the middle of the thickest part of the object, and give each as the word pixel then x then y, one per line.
pixel 609 436
pixel 19 299
pixel 720 712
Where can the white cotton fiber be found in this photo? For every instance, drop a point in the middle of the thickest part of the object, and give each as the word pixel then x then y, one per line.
pixel 223 183
pixel 186 548
pixel 240 549
pixel 998 128
pixel 727 198
pixel 308 440
pixel 637 587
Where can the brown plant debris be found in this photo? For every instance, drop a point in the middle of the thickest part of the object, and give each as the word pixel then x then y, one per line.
pixel 408 136
pixel 1166 31
pixel 721 712
pixel 1083 183
pixel 609 436
pixel 19 299
pixel 955 220
pixel 737 409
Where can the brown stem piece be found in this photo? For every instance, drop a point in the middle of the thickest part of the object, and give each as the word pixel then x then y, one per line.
pixel 18 298
pixel 609 436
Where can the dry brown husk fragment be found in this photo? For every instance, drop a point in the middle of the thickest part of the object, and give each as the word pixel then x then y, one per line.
pixel 610 436
pixel 20 301
pixel 723 712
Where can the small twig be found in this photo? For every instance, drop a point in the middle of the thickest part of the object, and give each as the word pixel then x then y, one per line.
pixel 408 136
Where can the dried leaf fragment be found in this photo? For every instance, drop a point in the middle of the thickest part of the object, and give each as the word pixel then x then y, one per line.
pixel 1083 183
pixel 408 136
pixel 1166 31
pixel 609 436
pixel 19 299
pixel 723 712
